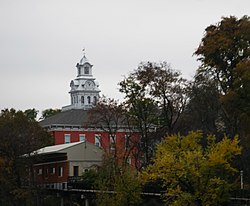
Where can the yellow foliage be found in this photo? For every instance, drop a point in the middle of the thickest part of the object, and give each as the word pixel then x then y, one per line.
pixel 192 172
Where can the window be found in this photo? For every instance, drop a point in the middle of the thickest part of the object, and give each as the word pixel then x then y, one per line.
pixel 82 99
pixel 88 99
pixel 86 70
pixel 98 140
pixel 126 141
pixel 76 171
pixel 67 138
pixel 52 170
pixel 112 140
pixel 79 71
pixel 60 171
pixel 82 137
pixel 46 172
pixel 95 100
pixel 39 171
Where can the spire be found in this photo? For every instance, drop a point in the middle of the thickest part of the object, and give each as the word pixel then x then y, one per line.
pixel 84 59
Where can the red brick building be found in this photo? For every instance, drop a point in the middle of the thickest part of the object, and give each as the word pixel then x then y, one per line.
pixel 72 126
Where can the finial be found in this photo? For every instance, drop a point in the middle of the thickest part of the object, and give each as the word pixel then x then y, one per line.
pixel 83 51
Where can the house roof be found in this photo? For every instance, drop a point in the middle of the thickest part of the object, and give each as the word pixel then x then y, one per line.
pixel 77 151
pixel 71 117
pixel 56 148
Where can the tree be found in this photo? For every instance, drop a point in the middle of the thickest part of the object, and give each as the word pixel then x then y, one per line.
pixel 19 135
pixel 155 97
pixel 111 117
pixel 225 56
pixel 31 113
pixel 203 111
pixel 224 46
pixel 193 174
pixel 238 100
pixel 143 115
pixel 49 112
pixel 167 88
pixel 118 185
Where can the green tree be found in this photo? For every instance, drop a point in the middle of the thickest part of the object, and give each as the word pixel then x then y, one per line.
pixel 19 135
pixel 167 88
pixel 31 113
pixel 223 47
pixel 193 174
pixel 203 111
pixel 49 112
pixel 118 184
pixel 225 56
pixel 155 97
pixel 143 114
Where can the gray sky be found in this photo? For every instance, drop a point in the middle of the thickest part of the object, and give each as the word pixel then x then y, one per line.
pixel 41 42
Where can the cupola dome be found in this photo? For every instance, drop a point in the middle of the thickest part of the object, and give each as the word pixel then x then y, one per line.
pixel 84 60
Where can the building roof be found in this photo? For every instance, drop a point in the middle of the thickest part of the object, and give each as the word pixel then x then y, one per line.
pixel 76 117
pixel 84 60
pixel 56 148
pixel 77 151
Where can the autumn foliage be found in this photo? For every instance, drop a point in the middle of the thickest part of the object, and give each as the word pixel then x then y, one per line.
pixel 193 174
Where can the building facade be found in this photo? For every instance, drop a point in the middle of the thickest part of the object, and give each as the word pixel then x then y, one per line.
pixel 56 165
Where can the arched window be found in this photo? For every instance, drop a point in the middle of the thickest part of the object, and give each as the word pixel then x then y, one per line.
pixel 86 70
pixel 82 99
pixel 88 99
pixel 79 71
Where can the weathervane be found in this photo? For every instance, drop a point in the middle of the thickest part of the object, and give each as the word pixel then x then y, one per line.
pixel 83 51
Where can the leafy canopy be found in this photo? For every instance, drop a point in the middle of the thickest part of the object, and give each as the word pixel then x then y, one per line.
pixel 119 184
pixel 223 46
pixel 19 134
pixel 193 174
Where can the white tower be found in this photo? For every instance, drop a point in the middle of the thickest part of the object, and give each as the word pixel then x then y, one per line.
pixel 84 89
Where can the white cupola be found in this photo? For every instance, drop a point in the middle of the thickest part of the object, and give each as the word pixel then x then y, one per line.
pixel 85 90
pixel 84 68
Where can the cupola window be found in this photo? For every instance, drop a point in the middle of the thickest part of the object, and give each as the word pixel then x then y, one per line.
pixel 95 100
pixel 88 99
pixel 86 70
pixel 79 71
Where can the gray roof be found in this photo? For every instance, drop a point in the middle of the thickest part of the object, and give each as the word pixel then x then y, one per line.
pixel 56 148
pixel 77 117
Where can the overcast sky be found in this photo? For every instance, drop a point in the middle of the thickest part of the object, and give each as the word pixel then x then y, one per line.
pixel 41 42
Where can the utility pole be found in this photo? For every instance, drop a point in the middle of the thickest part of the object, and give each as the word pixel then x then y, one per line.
pixel 241 180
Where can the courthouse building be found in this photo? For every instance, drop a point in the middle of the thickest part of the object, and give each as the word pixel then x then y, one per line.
pixel 72 123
